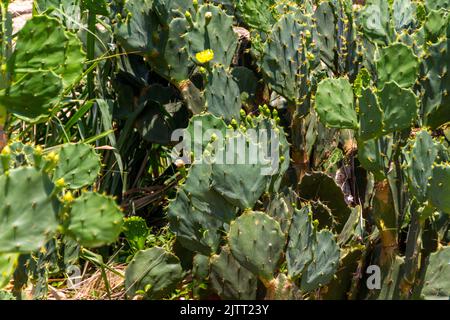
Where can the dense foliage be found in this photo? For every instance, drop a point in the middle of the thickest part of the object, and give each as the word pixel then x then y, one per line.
pixel 355 98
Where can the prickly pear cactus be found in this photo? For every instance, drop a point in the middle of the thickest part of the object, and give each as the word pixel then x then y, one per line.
pixel 405 74
pixel 437 284
pixel 370 114
pixel 436 83
pixel 8 263
pixel 222 94
pixel 260 257
pixel 153 273
pixel 79 165
pixel 210 28
pixel 285 59
pixel 229 279
pixel 420 155
pixel 334 104
pixel 26 223
pixel 439 186
pixel 301 242
pixel 94 220
pixel 399 105
pixel 324 264
pixel 46 60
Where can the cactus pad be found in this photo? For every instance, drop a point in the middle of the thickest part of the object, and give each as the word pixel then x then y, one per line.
pixel 79 165
pixel 439 187
pixel 26 223
pixel 94 220
pixel 400 107
pixel 389 69
pixel 153 271
pixel 229 279
pixel 437 282
pixel 245 239
pixel 334 104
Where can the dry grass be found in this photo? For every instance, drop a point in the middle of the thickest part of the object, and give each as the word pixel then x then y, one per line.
pixel 93 286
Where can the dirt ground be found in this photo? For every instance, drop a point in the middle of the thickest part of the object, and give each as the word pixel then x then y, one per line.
pixel 21 12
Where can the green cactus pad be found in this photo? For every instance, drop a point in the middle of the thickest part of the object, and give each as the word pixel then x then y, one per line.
pixel 33 96
pixel 222 94
pixel 68 11
pixel 436 83
pixel 136 231
pixel 167 10
pixel 281 211
pixel 165 48
pixel 134 31
pixel 301 243
pixel 374 156
pixel 79 165
pixel 153 271
pixel 334 104
pixel 403 14
pixel 197 130
pixel 8 263
pixel 370 115
pixel 283 157
pixel 439 187
pixel 375 21
pixel 27 210
pixel 257 14
pixel 200 274
pixel 170 56
pixel 339 288
pixel 284 62
pixel 230 179
pixel 420 155
pixel 437 282
pixel 400 107
pixel 75 58
pixel 326 33
pixel 436 25
pixel 215 33
pixel 198 212
pixel 247 83
pixel 389 69
pixel 437 4
pixel 94 220
pixel 256 241
pixel 203 197
pixel 42 44
pixel 325 263
pixel 229 279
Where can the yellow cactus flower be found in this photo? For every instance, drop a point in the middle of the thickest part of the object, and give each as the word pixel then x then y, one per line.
pixel 60 183
pixel 6 150
pixel 205 56
pixel 52 157
pixel 38 150
pixel 68 197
